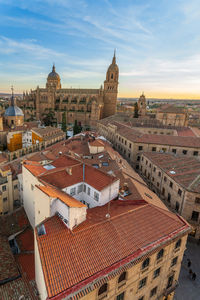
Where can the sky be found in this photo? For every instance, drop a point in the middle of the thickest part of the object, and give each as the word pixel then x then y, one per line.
pixel 157 45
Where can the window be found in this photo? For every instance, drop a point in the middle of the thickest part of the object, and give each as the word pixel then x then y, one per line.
pixel 184 152
pixel 96 196
pixel 130 145
pixel 195 215
pixel 153 291
pixel 174 151
pixel 159 174
pixel 125 142
pixel 179 192
pixel 73 191
pixel 163 191
pixel 146 162
pixel 160 254
pixel 142 158
pixel 4 188
pixel 171 184
pixel 15 186
pixel 84 188
pixel 153 148
pixel 122 277
pixel 149 165
pixel 141 298
pixel 178 244
pixel 154 169
pixel 120 297
pixel 145 263
pixel 197 200
pixel 5 199
pixel 138 158
pixel 177 206
pixel 103 289
pixel 88 191
pixel 170 281
pixel 105 164
pixel 168 197
pixel 156 273
pixel 158 184
pixel 196 153
pixel 152 179
pixel 174 261
pixel 165 179
pixel 80 188
pixel 140 148
pixel 142 283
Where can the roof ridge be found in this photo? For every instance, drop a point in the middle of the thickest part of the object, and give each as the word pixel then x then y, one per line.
pixel 112 218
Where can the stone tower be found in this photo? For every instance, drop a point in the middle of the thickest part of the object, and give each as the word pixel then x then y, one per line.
pixel 142 106
pixel 110 89
pixel 53 84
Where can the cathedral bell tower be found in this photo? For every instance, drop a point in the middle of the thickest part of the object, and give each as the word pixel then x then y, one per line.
pixel 111 88
pixel 53 83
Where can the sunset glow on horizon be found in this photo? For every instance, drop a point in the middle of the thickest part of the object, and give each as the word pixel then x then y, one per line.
pixel 157 45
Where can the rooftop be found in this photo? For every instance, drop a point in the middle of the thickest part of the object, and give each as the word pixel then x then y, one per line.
pixel 186 170
pixel 132 230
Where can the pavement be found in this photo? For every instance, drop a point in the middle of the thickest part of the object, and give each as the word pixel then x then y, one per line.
pixel 189 289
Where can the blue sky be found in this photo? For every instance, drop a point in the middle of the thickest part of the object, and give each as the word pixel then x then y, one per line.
pixel 157 44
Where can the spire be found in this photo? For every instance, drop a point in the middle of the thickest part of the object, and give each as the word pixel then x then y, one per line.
pixel 114 58
pixel 12 97
pixel 54 68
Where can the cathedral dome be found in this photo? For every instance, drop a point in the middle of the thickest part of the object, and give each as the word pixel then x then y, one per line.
pixel 13 111
pixel 53 75
pixel 113 67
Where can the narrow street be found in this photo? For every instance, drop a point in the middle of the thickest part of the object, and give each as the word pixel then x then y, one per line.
pixel 189 289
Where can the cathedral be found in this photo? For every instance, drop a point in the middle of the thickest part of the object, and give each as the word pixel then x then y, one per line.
pixel 87 106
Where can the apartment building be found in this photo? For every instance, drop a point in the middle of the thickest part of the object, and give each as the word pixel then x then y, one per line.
pixel 131 142
pixel 176 180
pixel 123 250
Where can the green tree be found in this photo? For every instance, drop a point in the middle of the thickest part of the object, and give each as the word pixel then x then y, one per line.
pixel 136 115
pixel 49 118
pixel 64 125
pixel 77 128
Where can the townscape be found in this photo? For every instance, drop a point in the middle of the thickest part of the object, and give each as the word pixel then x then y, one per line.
pixel 99 194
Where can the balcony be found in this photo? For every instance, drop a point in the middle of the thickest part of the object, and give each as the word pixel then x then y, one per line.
pixel 171 288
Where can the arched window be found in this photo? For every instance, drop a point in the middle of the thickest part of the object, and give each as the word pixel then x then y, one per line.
pixel 122 277
pixel 112 76
pixel 103 289
pixel 178 244
pixel 160 254
pixel 145 263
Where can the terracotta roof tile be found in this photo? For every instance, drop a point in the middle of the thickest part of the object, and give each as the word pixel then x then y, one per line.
pixel 61 178
pixel 34 167
pixel 99 244
pixel 179 141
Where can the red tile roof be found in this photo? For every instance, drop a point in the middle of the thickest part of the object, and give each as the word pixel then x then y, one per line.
pixel 96 143
pixel 25 240
pixel 61 178
pixel 179 141
pixel 187 169
pixel 100 245
pixel 34 167
pixel 27 264
pixel 55 193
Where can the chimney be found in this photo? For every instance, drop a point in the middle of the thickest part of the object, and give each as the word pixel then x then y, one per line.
pixel 69 170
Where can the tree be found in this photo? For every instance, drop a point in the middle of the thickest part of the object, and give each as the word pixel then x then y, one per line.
pixel 136 115
pixel 77 128
pixel 64 125
pixel 49 118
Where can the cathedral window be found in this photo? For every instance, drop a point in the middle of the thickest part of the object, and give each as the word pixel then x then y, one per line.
pixel 112 76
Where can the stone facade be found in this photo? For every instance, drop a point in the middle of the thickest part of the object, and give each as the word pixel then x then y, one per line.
pixel 84 105
pixel 131 142
pixel 180 198
pixel 171 115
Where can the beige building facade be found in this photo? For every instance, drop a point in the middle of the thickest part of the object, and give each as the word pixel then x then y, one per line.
pixel 172 115
pixel 175 179
pixel 132 141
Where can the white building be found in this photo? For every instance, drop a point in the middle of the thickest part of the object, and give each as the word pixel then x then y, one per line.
pixel 51 185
